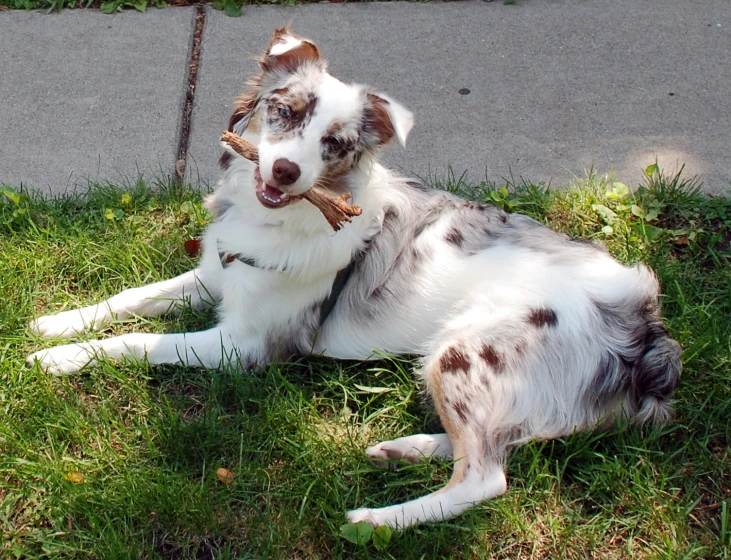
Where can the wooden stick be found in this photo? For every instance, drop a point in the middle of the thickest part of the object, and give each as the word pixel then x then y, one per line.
pixel 240 146
pixel 335 208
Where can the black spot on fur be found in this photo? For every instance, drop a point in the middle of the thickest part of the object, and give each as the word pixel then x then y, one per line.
pixel 648 364
pixel 378 293
pixel 418 186
pixel 611 378
pixel 473 229
pixel 542 317
pixel 454 360
pixel 415 260
pixel 492 358
pixel 219 206
pixel 489 233
pixel 455 237
pixel 225 161
pixel 462 411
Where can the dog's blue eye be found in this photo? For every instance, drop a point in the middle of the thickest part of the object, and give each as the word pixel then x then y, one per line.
pixel 285 112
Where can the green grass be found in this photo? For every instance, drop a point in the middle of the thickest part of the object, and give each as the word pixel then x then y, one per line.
pixel 120 461
pixel 231 7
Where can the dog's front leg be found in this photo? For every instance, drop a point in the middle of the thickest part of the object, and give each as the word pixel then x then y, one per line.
pixel 209 349
pixel 146 301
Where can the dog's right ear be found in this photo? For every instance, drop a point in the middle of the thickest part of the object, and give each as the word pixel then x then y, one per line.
pixel 384 119
pixel 287 52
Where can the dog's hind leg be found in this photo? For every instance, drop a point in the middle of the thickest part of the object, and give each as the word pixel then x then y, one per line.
pixel 146 301
pixel 414 449
pixel 456 380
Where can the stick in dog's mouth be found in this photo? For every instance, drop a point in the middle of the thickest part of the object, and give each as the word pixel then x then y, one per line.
pixel 336 209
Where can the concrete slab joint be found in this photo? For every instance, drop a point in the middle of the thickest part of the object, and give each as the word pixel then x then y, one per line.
pixel 196 43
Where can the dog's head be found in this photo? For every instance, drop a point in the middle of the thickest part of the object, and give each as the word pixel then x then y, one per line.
pixel 310 128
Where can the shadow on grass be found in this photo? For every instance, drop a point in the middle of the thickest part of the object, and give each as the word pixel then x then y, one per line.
pixel 148 442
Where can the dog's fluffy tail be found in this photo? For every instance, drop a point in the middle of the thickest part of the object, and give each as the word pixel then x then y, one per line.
pixel 656 375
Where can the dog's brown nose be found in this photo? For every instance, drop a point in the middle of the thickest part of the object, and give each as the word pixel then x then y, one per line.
pixel 285 172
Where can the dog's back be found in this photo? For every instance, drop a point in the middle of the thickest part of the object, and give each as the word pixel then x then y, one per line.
pixel 559 315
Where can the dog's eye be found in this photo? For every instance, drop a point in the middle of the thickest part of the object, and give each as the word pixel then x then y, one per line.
pixel 285 112
pixel 332 142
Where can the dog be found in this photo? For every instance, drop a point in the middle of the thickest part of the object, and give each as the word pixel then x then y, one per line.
pixel 522 333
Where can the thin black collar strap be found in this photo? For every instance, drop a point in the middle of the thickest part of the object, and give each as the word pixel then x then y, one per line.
pixel 341 279
pixel 227 258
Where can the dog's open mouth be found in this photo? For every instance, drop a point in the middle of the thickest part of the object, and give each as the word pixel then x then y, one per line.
pixel 269 196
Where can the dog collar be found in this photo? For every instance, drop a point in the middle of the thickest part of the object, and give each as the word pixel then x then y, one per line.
pixel 227 258
pixel 341 279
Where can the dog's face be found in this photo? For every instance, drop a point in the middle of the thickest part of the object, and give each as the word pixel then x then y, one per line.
pixel 310 128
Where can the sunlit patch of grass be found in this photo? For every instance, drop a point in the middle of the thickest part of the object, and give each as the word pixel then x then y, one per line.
pixel 121 461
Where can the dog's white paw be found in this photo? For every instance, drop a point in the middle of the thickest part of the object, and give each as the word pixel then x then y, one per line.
pixel 363 514
pixel 385 454
pixel 62 359
pixel 66 324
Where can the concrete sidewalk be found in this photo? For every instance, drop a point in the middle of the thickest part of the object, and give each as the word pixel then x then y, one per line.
pixel 555 86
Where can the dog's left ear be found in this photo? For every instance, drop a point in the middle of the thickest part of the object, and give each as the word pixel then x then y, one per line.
pixel 384 119
pixel 287 52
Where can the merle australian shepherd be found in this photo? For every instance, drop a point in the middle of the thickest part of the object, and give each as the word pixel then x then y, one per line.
pixel 523 333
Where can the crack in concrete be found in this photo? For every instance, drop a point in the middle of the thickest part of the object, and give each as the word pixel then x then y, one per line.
pixel 191 83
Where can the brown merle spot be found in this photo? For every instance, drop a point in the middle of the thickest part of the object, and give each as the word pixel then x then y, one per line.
pixel 393 453
pixel 376 119
pixel 302 111
pixel 192 247
pixel 461 409
pixel 492 358
pixel 288 61
pixel 454 360
pixel 243 106
pixel 543 317
pixel 455 237
pixel 334 128
pixel 281 92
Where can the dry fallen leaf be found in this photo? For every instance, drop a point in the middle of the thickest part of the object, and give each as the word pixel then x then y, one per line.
pixel 75 476
pixel 180 167
pixel 192 247
pixel 225 476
